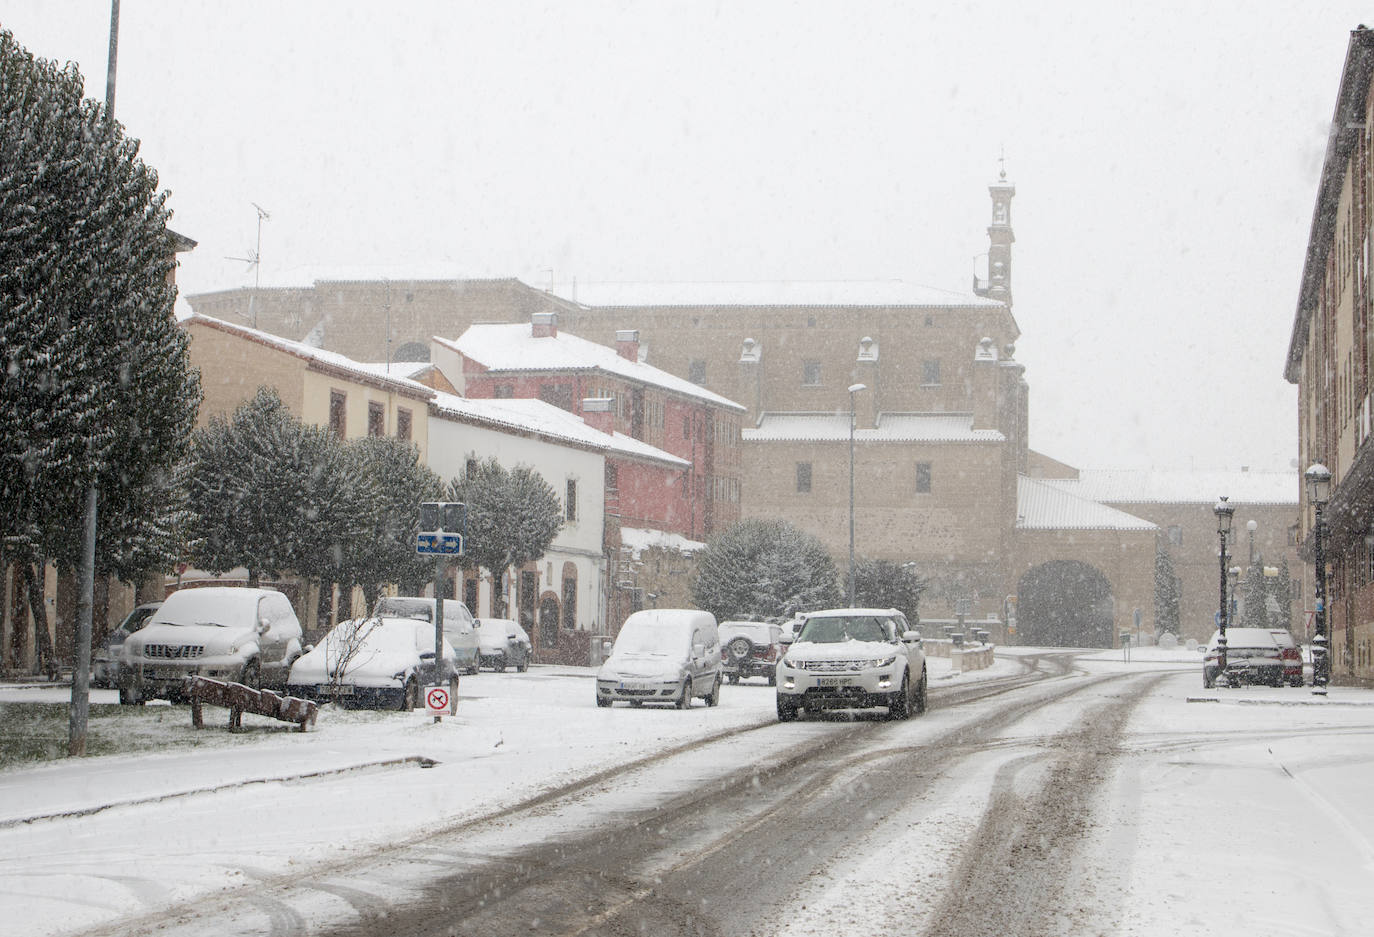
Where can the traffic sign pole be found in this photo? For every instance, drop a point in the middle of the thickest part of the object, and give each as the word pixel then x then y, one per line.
pixel 438 621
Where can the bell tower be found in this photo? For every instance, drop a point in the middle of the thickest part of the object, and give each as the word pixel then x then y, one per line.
pixel 1000 239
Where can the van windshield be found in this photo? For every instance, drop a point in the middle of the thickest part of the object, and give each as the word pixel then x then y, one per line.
pixel 652 639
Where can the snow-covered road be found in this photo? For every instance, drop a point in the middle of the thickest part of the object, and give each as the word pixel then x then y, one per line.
pixel 1279 772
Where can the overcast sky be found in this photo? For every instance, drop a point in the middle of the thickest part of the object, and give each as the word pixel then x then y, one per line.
pixel 1166 158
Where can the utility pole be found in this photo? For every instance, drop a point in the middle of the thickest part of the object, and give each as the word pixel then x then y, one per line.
pixel 79 716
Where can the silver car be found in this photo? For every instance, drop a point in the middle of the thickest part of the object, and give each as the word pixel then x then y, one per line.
pixel 105 657
pixel 665 655
pixel 853 658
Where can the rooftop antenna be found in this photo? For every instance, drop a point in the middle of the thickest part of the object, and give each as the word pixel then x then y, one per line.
pixel 253 260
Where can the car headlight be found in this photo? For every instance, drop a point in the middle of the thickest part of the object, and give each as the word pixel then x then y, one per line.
pixel 398 676
pixel 886 661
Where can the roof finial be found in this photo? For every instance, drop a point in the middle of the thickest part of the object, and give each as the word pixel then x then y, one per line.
pixel 1002 165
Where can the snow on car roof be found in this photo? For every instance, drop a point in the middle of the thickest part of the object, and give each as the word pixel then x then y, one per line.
pixel 210 604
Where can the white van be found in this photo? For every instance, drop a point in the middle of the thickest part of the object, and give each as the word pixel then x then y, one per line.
pixel 460 628
pixel 248 636
pixel 663 655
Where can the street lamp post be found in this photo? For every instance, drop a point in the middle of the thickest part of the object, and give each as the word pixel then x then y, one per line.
pixel 853 389
pixel 1224 512
pixel 1318 479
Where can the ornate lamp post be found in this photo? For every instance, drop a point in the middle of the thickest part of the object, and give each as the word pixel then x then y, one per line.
pixel 1318 479
pixel 853 389
pixel 1224 512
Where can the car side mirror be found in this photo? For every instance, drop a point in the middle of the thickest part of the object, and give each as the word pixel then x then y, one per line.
pixel 263 625
pixel 786 638
pixel 307 649
pixel 426 655
pixel 698 649
pixel 911 637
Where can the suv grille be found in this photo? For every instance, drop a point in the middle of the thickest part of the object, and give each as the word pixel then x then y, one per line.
pixel 833 666
pixel 173 651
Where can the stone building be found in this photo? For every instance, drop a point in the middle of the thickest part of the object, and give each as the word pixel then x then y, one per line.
pixel 922 385
pixel 1330 358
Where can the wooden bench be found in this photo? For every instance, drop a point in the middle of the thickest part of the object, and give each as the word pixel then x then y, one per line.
pixel 239 699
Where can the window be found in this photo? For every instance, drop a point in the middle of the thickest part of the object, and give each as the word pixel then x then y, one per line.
pixel 696 371
pixel 930 372
pixel 811 373
pixel 560 395
pixel 803 477
pixel 570 501
pixel 503 391
pixel 1175 534
pixel 923 478
pixel 376 418
pixel 402 423
pixel 569 601
pixel 337 413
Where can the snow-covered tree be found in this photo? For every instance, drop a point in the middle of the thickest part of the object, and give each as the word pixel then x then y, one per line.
pixel 764 570
pixel 386 552
pixel 1168 593
pixel 274 495
pixel 513 516
pixel 1255 615
pixel 888 584
pixel 95 383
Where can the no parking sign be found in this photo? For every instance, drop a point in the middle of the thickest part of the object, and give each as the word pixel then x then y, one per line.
pixel 438 700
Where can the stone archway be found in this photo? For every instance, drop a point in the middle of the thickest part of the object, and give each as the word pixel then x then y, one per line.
pixel 1065 603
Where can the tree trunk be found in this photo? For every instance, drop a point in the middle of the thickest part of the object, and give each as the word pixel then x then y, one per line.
pixel 45 661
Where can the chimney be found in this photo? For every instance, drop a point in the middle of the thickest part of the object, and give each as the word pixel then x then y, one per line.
pixel 544 325
pixel 597 412
pixel 627 344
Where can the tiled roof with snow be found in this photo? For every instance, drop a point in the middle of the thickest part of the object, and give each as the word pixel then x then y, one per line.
pixel 1182 486
pixel 892 427
pixel 771 293
pixel 544 419
pixel 1042 506
pixel 639 539
pixel 513 347
pixel 372 373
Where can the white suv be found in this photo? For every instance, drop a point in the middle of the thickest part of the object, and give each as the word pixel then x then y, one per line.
pixel 853 658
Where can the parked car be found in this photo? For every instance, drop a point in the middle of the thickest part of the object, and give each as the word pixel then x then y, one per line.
pixel 750 649
pixel 248 636
pixel 663 655
pixel 105 657
pixel 460 628
pixel 1290 654
pixel 373 663
pixel 853 658
pixel 1252 656
pixel 503 643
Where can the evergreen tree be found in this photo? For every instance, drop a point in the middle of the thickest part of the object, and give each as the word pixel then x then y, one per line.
pixel 95 384
pixel 1254 615
pixel 1281 589
pixel 273 495
pixel 888 584
pixel 764 570
pixel 386 552
pixel 1168 594
pixel 512 517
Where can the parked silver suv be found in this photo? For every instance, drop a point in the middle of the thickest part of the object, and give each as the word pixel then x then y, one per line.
pixel 248 636
pixel 853 658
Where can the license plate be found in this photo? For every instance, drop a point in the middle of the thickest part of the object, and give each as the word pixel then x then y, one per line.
pixel 834 681
pixel 328 689
pixel 168 673
pixel 636 685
